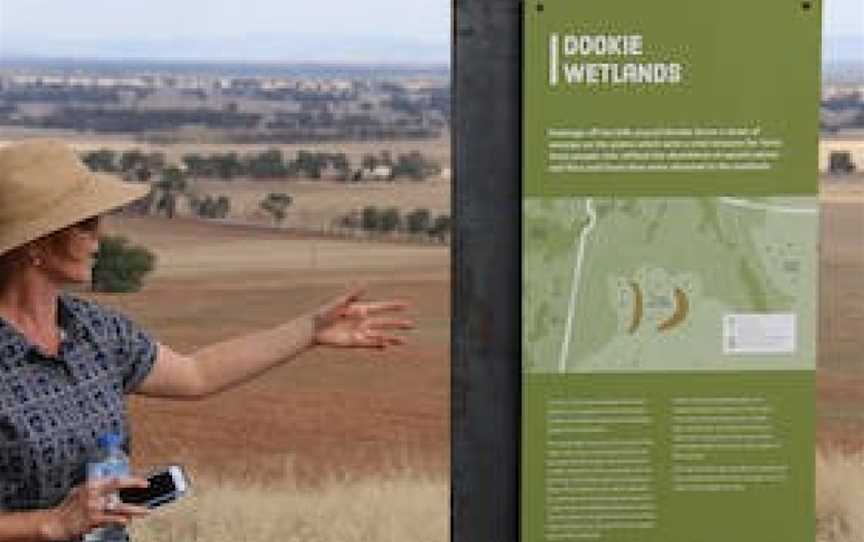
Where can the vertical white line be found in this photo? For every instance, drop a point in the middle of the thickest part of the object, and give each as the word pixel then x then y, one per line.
pixel 577 277
pixel 553 60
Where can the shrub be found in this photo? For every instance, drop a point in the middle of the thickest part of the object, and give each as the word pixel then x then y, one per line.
pixel 211 207
pixel 418 221
pixel 276 204
pixel 370 219
pixel 391 220
pixel 120 267
pixel 441 227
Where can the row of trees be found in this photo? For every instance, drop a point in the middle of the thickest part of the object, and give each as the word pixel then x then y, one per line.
pixel 133 121
pixel 391 220
pixel 268 164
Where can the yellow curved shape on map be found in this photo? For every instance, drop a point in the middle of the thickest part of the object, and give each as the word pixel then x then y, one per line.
pixel 682 308
pixel 637 308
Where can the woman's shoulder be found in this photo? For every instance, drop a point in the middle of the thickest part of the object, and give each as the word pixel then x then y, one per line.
pixel 96 316
pixel 83 306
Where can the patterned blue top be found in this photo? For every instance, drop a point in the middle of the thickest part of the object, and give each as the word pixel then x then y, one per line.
pixel 53 409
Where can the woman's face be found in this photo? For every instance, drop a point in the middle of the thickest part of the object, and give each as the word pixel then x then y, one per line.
pixel 69 254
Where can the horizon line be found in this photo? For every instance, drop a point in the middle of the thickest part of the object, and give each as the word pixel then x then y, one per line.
pixel 400 64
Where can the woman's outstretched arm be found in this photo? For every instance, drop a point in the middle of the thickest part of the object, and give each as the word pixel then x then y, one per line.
pixel 346 322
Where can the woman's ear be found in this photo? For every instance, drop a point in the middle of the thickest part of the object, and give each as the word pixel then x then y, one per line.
pixel 35 253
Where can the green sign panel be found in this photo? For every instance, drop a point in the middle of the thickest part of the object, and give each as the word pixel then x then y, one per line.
pixel 670 227
pixel 671 98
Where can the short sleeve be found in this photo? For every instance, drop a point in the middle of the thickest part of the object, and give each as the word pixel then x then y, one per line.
pixel 137 348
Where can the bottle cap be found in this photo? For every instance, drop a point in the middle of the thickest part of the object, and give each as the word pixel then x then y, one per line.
pixel 107 441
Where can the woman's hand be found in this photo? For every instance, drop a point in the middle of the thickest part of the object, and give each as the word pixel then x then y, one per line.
pixel 89 506
pixel 348 322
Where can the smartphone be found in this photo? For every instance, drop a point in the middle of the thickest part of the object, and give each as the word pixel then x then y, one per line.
pixel 166 486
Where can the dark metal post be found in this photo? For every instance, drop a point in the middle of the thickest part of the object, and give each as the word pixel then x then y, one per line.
pixel 486 271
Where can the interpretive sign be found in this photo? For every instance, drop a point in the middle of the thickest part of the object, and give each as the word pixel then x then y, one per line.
pixel 670 227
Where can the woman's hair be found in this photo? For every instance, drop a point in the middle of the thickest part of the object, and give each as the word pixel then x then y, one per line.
pixel 10 262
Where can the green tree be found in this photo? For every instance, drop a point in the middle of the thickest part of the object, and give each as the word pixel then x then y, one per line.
pixel 310 163
pixel 418 221
pixel 101 160
pixel 276 204
pixel 370 218
pixel 228 166
pixel 223 207
pixel 340 163
pixel 131 160
pixel 415 166
pixel 269 163
pixel 172 185
pixel 841 162
pixel 196 165
pixel 120 267
pixel 391 220
pixel 441 227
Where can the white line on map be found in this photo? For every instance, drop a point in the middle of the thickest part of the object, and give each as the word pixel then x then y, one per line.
pixel 577 275
pixel 747 204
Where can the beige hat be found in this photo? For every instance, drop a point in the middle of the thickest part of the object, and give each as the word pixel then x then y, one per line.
pixel 44 188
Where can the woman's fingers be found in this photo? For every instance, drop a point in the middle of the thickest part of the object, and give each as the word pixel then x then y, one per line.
pixel 367 309
pixel 102 492
pixel 389 323
pixel 379 340
pixel 376 307
pixel 110 485
pixel 338 306
pixel 129 510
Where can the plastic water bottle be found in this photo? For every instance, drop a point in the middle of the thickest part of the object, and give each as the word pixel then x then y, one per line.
pixel 112 462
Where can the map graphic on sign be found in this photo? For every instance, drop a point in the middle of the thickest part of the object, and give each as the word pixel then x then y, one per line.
pixel 642 284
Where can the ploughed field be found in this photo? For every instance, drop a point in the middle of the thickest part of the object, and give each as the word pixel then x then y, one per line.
pixel 329 412
pixel 840 378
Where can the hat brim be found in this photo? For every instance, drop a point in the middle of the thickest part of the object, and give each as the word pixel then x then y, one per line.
pixel 105 194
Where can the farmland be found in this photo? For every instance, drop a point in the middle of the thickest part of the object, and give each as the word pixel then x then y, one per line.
pixel 328 411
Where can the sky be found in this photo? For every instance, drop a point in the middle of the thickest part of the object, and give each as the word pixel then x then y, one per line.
pixel 389 31
pixel 842 18
pixel 843 31
pixel 272 30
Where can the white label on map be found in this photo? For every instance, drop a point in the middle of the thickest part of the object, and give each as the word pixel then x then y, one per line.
pixel 759 333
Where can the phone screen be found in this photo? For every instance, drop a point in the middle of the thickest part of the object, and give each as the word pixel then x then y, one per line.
pixel 161 489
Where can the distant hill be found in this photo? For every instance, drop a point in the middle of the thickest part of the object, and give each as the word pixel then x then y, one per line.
pixel 284 49
pixel 243 69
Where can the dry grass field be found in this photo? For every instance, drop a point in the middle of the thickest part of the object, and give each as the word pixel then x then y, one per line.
pixel 395 508
pixel 839 491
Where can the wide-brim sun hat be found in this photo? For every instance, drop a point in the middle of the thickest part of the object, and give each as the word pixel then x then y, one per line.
pixel 45 187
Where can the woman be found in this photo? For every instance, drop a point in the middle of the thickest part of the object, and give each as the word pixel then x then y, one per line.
pixel 66 363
